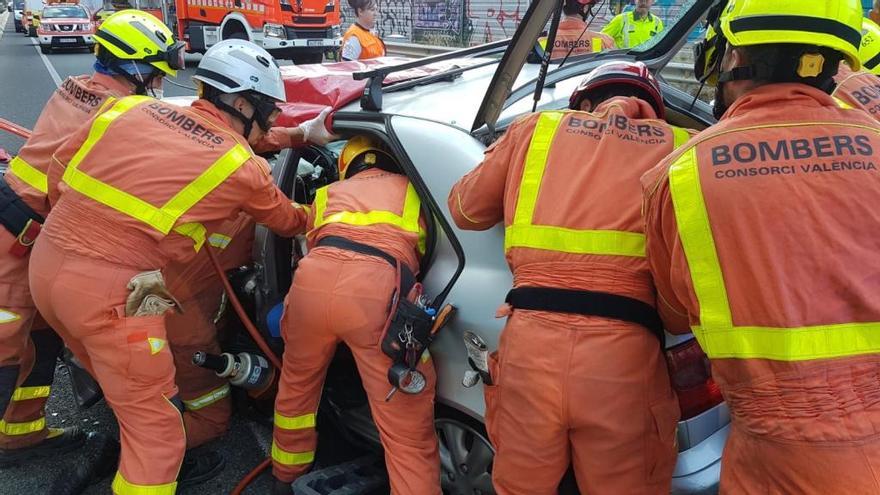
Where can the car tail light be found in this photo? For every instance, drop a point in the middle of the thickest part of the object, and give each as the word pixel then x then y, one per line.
pixel 692 380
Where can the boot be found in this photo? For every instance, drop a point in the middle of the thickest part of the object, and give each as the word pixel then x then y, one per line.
pixel 281 487
pixel 101 461
pixel 199 466
pixel 59 441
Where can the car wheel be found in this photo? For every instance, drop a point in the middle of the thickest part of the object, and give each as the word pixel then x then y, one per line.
pixel 465 458
pixel 45 49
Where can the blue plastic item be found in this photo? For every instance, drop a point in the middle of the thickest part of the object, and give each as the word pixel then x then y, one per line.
pixel 273 320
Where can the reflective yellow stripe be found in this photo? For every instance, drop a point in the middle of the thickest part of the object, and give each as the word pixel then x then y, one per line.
pixel 291 458
pixel 162 218
pixel 679 136
pixel 717 334
pixel 206 400
pixel 295 422
pixel 14 429
pixel 28 393
pixel 7 316
pixel 29 174
pixel 842 104
pixel 698 242
pixel 219 241
pixel 407 221
pixel 522 233
pixel 121 486
pixel 606 242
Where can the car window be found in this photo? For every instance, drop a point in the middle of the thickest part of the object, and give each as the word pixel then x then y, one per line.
pixel 18 5
pixel 70 12
pixel 671 15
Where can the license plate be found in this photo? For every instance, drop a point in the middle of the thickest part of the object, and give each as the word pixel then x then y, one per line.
pixel 316 43
pixel 67 40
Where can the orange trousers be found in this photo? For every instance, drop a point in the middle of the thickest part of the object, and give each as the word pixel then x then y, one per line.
pixel 589 392
pixel 83 299
pixel 761 464
pixel 27 358
pixel 206 398
pixel 339 296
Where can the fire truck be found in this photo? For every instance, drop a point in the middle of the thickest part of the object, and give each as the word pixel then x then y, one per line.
pixel 299 30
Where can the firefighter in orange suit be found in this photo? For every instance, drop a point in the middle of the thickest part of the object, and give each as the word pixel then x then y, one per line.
pixel 566 187
pixel 195 284
pixel 122 213
pixel 359 42
pixel 861 88
pixel 573 34
pixel 340 293
pixel 762 240
pixel 28 347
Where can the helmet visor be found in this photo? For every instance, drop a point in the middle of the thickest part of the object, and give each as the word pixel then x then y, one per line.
pixel 173 56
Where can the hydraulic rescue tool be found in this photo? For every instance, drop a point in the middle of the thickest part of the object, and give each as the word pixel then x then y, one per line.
pixel 478 359
pixel 246 370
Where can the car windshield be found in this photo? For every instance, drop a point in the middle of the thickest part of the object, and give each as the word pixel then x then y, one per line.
pixel 70 12
pixel 669 13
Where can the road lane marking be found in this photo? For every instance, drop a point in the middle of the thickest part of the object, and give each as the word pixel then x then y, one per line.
pixel 52 72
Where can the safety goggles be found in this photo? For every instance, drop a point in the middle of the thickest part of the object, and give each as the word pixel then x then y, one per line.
pixel 173 56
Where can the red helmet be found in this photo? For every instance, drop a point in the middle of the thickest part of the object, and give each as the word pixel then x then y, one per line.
pixel 633 74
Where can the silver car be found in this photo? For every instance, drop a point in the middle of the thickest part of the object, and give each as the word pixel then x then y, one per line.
pixel 439 126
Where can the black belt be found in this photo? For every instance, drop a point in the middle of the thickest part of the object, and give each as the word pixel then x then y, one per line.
pixel 15 214
pixel 588 303
pixel 407 278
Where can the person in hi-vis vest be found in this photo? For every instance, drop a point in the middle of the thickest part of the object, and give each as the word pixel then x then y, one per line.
pixel 635 27
pixel 359 42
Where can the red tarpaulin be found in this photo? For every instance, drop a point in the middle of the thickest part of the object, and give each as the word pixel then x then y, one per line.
pixel 311 88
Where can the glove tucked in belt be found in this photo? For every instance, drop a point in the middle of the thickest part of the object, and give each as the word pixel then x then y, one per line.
pixel 149 296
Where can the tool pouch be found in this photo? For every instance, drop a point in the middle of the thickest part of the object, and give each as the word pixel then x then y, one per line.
pixel 408 329
pixel 149 296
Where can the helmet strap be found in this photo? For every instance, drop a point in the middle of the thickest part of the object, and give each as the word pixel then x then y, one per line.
pixel 248 122
pixel 260 116
pixel 140 81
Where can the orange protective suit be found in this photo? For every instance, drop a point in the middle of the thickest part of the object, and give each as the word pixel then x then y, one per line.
pixel 859 89
pixel 342 296
pixel 571 35
pixel 191 161
pixel 29 360
pixel 770 259
pixel 597 394
pixel 206 398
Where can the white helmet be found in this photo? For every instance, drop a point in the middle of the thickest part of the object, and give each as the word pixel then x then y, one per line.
pixel 234 66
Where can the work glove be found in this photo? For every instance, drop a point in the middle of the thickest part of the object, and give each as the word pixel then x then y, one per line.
pixel 316 132
pixel 149 296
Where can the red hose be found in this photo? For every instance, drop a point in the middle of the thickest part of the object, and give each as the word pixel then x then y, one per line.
pixel 247 480
pixel 16 129
pixel 261 343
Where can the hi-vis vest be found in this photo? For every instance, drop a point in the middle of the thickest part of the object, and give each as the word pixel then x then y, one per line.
pixel 407 221
pixel 371 45
pixel 523 232
pixel 162 218
pixel 717 334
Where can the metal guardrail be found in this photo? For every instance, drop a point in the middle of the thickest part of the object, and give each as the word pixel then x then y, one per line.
pixel 679 72
pixel 415 50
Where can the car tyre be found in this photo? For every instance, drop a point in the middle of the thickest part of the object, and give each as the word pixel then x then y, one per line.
pixel 466 454
pixel 45 49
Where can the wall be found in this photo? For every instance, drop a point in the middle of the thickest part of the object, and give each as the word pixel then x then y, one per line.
pixel 468 22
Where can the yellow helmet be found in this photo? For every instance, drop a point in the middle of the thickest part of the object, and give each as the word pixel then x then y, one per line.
pixel 362 152
pixel 835 24
pixel 134 35
pixel 869 53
